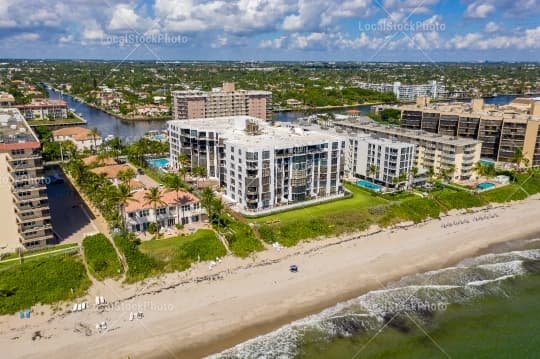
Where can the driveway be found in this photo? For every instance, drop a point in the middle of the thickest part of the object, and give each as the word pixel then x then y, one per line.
pixel 71 220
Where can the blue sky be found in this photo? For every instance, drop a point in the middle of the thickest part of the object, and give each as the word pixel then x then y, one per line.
pixel 358 30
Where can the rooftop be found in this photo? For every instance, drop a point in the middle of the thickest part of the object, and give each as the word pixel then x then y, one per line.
pixel 14 130
pixel 412 134
pixel 44 102
pixel 138 201
pixel 519 108
pixel 233 129
pixel 112 171
pixel 97 160
pixel 77 133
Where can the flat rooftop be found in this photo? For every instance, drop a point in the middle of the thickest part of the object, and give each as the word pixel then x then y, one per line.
pixel 233 129
pixel 14 130
pixel 412 134
pixel 519 108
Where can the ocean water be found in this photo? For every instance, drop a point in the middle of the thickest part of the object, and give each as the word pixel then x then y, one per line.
pixel 484 307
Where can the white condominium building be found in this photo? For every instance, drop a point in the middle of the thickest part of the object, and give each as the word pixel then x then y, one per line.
pixel 384 161
pixel 261 167
pixel 226 101
pixel 440 153
pixel 407 92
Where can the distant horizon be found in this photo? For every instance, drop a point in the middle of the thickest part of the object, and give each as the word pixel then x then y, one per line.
pixel 478 62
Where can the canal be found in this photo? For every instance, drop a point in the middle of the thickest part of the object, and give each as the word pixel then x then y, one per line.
pixel 130 131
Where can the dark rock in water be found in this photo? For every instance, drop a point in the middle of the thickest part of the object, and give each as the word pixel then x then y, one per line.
pixel 532 266
pixel 347 326
pixel 397 322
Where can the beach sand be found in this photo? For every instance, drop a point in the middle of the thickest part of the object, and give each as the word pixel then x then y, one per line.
pixel 203 311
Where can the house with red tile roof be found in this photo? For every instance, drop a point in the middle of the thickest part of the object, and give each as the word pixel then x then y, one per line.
pixel 183 208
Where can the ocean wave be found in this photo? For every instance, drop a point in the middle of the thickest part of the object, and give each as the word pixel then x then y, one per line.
pixel 421 293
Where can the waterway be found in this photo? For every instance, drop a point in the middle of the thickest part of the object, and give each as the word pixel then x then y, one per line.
pixel 130 131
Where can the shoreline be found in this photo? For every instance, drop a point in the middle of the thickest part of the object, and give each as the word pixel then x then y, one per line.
pixel 255 296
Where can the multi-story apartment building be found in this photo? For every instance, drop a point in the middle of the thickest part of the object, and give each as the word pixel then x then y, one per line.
pixel 384 161
pixel 184 210
pixel 441 153
pixel 262 167
pixel 24 213
pixel 225 101
pixel 41 109
pixel 407 92
pixel 6 99
pixel 503 130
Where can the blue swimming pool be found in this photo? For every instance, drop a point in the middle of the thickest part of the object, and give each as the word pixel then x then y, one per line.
pixel 485 185
pixel 369 185
pixel 158 162
pixel 486 162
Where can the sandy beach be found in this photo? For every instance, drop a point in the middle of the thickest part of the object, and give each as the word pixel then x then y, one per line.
pixel 202 311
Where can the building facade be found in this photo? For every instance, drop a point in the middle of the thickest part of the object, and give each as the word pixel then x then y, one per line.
pixel 6 99
pixel 261 167
pixel 383 161
pixel 226 101
pixel 25 214
pixel 184 211
pixel 503 130
pixel 81 137
pixel 41 109
pixel 432 89
pixel 440 153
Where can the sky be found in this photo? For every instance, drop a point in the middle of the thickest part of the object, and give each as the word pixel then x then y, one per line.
pixel 272 30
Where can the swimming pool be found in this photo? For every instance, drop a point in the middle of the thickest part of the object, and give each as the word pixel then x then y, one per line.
pixel 485 185
pixel 486 162
pixel 158 162
pixel 369 185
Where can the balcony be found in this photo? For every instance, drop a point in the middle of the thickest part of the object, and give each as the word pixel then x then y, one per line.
pixel 37 214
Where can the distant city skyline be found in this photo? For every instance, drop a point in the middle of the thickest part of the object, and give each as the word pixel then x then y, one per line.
pixel 271 30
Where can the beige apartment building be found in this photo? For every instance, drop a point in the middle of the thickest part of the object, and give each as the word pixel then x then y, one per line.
pixel 433 151
pixel 24 214
pixel 224 101
pixel 503 130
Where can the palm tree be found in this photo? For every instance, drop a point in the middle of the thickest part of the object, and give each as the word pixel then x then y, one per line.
pixel 218 209
pixel 517 157
pixel 198 172
pixel 174 183
pixel 372 171
pixel 153 198
pixel 123 197
pixel 183 161
pixel 126 176
pixel 207 199
pixel 94 133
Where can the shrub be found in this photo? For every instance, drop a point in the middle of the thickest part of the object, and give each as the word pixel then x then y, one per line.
pixel 101 257
pixel 140 265
pixel 44 281
pixel 242 240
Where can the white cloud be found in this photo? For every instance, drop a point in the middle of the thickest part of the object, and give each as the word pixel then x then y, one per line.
pixel 125 18
pixel 479 10
pixel 313 15
pixel 92 31
pixel 491 27
pixel 276 43
pixel 26 36
pixel 239 16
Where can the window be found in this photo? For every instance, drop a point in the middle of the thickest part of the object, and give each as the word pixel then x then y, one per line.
pixel 162 210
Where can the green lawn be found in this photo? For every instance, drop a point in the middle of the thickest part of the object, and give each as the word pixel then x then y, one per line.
pixel 179 252
pixel 46 280
pixel 140 265
pixel 101 257
pixel 360 199
pixel 332 218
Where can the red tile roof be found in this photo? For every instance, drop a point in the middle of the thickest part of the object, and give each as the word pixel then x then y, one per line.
pixel 169 197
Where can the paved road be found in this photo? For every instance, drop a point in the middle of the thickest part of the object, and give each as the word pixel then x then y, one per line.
pixel 71 220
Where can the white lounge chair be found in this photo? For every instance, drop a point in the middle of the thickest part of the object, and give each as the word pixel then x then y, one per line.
pixel 74 307
pixel 97 300
pixel 102 300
